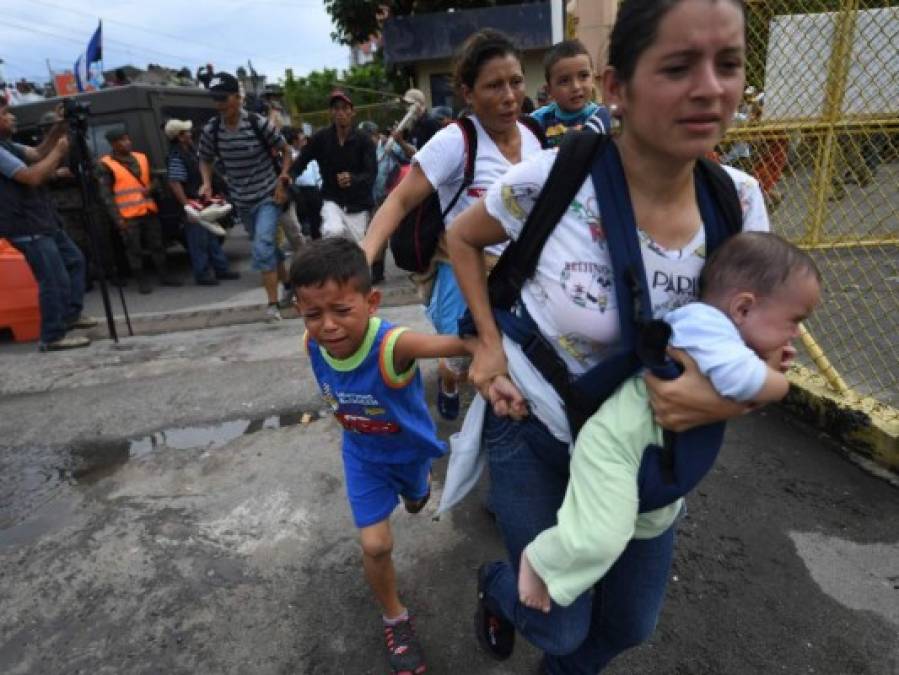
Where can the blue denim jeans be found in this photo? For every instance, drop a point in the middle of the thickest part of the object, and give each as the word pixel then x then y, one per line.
pixel 261 221
pixel 528 479
pixel 58 266
pixel 206 255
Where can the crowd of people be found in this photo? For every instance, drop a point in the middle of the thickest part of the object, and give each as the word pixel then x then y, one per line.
pixel 646 237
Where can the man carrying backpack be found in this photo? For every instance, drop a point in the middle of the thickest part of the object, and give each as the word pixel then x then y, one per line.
pixel 246 144
pixel 348 167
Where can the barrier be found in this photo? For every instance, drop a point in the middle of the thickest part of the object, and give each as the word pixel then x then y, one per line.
pixel 19 311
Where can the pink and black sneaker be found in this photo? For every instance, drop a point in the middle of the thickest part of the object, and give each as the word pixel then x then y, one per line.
pixel 403 649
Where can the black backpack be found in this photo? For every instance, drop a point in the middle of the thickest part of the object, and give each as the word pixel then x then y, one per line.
pixel 414 241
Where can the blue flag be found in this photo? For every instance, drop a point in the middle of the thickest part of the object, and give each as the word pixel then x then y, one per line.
pixel 91 55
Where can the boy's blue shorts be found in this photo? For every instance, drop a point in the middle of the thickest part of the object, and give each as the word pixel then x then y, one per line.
pixel 374 488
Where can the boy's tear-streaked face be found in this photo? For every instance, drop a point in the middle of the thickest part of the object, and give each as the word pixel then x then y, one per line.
pixel 336 315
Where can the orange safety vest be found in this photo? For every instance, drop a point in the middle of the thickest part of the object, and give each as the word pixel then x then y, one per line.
pixel 128 190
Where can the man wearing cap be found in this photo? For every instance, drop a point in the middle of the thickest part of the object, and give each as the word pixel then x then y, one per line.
pixel 30 223
pixel 247 145
pixel 207 259
pixel 126 187
pixel 346 159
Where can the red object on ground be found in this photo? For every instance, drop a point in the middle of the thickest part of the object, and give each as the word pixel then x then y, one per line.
pixel 19 309
pixel 772 160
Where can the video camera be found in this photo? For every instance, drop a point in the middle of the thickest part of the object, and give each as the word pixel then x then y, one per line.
pixel 76 112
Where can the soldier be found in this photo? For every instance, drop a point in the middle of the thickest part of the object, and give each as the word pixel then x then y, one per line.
pixel 126 186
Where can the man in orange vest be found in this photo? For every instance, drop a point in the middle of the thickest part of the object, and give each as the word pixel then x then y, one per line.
pixel 126 188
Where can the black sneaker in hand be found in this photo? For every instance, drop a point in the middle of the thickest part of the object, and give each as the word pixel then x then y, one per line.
pixel 403 649
pixel 495 633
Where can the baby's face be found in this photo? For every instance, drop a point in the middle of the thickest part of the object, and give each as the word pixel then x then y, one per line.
pixel 773 322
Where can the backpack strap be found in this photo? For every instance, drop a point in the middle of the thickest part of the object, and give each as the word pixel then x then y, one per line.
pixel 519 261
pixel 535 128
pixel 216 128
pixel 725 199
pixel 470 145
pixel 256 124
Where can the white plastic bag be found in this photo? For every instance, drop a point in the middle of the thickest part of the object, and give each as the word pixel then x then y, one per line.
pixel 466 461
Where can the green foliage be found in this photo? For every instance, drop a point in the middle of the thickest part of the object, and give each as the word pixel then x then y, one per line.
pixel 356 20
pixel 310 93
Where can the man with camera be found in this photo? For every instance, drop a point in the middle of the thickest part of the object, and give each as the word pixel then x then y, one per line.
pixel 30 223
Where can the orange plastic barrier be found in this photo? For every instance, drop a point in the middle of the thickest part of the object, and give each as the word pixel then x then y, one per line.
pixel 19 310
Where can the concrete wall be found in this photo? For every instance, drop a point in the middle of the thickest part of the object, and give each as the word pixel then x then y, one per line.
pixel 531 64
pixel 594 24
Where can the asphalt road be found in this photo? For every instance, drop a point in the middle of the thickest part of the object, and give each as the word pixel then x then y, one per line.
pixel 162 511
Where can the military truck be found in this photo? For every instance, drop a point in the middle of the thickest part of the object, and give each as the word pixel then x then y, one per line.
pixel 142 110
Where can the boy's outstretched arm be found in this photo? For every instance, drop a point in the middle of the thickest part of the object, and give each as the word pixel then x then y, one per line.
pixel 411 346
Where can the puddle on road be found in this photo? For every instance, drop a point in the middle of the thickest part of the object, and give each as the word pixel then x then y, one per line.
pixel 214 436
pixel 37 502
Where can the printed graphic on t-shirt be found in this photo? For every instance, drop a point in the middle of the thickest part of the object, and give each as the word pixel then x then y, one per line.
pixel 519 199
pixel 587 284
pixel 554 133
pixel 588 213
pixel 577 346
pixel 359 413
pixel 676 289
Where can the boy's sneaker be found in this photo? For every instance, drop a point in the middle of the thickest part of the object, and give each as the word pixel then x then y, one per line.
pixel 495 633
pixel 403 649
pixel 416 505
pixel 447 404
pixel 272 313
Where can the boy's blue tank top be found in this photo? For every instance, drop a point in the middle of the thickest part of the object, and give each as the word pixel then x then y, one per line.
pixel 383 413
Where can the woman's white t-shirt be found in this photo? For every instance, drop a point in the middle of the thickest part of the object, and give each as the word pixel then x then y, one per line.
pixel 442 159
pixel 571 296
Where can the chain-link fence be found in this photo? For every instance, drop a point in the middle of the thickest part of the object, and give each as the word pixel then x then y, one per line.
pixel 819 128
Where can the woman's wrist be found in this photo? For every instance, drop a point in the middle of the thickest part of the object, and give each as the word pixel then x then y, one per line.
pixel 490 340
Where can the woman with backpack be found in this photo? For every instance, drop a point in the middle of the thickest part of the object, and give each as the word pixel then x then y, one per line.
pixel 674 80
pixel 489 78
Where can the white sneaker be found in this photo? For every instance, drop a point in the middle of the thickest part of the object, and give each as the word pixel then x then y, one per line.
pixel 273 314
pixel 215 228
pixel 216 211
pixel 193 214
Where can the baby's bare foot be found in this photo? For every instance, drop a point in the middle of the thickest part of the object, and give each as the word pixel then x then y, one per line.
pixel 531 589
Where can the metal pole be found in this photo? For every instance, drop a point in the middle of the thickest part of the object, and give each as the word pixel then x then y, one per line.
pixel 825 161
pixel 825 367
